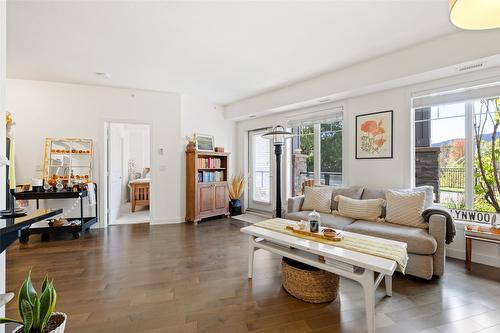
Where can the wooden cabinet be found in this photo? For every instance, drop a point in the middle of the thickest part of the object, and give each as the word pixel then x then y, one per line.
pixel 206 185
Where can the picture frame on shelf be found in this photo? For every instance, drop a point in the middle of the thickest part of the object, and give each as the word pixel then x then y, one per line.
pixel 204 142
pixel 374 135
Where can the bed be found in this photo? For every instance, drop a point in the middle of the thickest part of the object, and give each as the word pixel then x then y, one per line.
pixel 139 192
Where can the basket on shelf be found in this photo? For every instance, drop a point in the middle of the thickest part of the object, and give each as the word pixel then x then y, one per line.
pixel 308 283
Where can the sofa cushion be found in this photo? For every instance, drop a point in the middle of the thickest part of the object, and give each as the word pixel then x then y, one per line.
pixel 419 241
pixel 370 209
pixel 318 199
pixel 327 220
pixel 428 190
pixel 405 208
pixel 373 193
pixel 353 192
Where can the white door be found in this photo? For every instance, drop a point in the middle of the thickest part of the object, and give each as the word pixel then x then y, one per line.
pixel 261 167
pixel 115 170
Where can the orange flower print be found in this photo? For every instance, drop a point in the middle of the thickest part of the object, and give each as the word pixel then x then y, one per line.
pixel 372 137
pixel 379 142
pixel 369 126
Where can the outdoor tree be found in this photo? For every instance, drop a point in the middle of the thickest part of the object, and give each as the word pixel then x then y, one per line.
pixel 487 155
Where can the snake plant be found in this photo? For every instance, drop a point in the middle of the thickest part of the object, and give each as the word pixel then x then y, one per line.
pixel 35 311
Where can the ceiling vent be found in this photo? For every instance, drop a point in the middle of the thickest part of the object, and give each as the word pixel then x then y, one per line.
pixel 471 67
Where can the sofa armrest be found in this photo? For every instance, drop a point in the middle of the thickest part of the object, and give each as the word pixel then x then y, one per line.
pixel 295 204
pixel 437 229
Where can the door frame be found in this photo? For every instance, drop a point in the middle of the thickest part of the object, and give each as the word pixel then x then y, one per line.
pixel 104 201
pixel 255 205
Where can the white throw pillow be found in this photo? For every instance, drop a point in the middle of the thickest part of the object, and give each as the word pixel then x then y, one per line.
pixel 405 208
pixel 318 199
pixel 429 193
pixel 368 209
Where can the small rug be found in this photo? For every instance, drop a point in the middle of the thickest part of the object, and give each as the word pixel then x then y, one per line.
pixel 249 218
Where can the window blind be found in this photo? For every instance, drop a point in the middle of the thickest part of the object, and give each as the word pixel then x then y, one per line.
pixel 457 95
pixel 321 116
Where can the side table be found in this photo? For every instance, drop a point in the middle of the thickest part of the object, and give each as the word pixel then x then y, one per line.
pixel 479 233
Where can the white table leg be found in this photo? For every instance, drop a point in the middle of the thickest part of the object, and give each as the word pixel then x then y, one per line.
pixel 251 252
pixel 388 285
pixel 368 285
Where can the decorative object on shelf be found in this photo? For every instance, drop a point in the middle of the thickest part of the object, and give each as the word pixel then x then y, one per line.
pixel 236 187
pixel 37 311
pixel 374 135
pixel 219 149
pixel 204 142
pixel 314 221
pixel 67 162
pixel 191 143
pixel 278 136
pixel 474 14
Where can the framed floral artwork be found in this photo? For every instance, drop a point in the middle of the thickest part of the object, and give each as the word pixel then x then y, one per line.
pixel 374 135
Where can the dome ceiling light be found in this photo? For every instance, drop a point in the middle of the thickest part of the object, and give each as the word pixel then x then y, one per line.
pixel 475 14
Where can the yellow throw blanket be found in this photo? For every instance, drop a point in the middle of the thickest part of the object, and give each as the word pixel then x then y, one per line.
pixel 394 252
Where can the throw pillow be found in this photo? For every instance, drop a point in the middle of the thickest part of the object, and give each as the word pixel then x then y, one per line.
pixel 318 199
pixel 353 192
pixel 369 209
pixel 405 208
pixel 429 193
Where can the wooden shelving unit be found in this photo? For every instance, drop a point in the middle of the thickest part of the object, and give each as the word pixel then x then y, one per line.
pixel 206 185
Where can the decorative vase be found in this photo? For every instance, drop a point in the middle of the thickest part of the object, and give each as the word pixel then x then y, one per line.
pixel 58 329
pixel 235 207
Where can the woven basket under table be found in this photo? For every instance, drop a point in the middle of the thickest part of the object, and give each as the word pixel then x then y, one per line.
pixel 308 283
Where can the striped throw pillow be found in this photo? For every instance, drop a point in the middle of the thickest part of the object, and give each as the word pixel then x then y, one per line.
pixel 318 199
pixel 368 209
pixel 405 208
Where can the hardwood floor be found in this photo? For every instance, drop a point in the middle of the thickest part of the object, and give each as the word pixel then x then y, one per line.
pixel 186 278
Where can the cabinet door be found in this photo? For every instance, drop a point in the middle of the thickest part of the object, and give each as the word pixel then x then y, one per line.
pixel 205 199
pixel 221 198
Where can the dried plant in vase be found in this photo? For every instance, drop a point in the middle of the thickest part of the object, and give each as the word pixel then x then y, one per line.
pixel 236 187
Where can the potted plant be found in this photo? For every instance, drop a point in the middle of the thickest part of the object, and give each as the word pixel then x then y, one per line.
pixel 236 186
pixel 36 311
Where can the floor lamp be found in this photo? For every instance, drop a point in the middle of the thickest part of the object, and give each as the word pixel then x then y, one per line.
pixel 278 136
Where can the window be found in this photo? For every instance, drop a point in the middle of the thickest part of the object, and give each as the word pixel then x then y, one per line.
pixel 317 151
pixel 457 151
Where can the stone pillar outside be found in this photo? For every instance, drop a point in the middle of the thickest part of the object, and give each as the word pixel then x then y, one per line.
pixel 299 164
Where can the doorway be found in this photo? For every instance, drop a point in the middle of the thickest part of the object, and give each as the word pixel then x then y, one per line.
pixel 261 166
pixel 128 173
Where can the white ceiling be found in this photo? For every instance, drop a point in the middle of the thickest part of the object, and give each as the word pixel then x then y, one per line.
pixel 222 51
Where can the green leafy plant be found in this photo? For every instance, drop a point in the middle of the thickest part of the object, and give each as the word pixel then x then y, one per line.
pixel 35 311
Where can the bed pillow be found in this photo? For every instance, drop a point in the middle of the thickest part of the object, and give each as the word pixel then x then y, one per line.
pixel 405 208
pixel 318 199
pixel 369 209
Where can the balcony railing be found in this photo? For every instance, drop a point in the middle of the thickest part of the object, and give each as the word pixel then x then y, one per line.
pixel 453 178
pixel 327 178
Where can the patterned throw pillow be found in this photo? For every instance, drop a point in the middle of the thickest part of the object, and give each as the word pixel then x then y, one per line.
pixel 318 199
pixel 405 208
pixel 369 209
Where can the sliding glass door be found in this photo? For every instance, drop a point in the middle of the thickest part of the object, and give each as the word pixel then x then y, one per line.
pixel 261 168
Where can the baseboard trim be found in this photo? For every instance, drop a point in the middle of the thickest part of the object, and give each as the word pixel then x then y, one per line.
pixel 476 257
pixel 168 221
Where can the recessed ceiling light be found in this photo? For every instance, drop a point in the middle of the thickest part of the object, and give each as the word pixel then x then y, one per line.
pixel 324 100
pixel 103 75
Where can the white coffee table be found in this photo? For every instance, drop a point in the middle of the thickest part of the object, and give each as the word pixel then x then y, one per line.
pixel 368 270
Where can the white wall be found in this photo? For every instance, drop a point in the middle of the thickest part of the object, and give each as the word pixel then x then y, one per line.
pixel 49 109
pixel 202 116
pixel 3 38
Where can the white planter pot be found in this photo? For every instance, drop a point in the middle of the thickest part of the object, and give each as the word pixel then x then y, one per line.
pixel 61 327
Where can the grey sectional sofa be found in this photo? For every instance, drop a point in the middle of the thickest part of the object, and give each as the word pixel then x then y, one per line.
pixel 426 247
